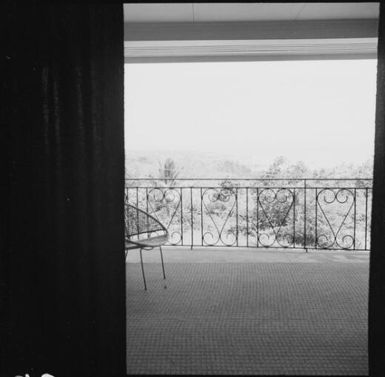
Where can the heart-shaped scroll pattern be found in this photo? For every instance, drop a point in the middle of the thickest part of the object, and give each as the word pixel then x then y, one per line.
pixel 164 203
pixel 330 202
pixel 219 207
pixel 274 206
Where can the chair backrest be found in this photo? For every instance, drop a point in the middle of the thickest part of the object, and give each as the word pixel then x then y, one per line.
pixel 139 222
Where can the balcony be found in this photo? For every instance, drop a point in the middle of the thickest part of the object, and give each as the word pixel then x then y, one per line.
pixel 314 213
pixel 228 309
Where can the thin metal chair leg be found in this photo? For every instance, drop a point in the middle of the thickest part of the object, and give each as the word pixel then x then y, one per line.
pixel 161 257
pixel 141 263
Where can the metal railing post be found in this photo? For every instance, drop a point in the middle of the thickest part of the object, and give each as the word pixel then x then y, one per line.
pixel 294 218
pixel 316 219
pixel 192 217
pixel 366 218
pixel 236 216
pixel 304 216
pixel 247 216
pixel 181 216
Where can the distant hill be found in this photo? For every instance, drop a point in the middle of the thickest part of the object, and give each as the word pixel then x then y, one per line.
pixel 190 164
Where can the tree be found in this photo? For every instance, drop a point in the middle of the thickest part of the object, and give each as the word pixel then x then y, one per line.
pixel 168 172
pixel 275 169
pixel 298 170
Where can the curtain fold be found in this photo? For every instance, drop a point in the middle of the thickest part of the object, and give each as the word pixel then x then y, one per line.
pixel 65 287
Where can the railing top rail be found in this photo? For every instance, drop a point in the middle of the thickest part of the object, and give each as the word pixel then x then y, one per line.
pixel 249 179
pixel 255 188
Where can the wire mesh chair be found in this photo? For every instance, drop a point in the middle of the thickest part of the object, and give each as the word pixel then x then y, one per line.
pixel 143 232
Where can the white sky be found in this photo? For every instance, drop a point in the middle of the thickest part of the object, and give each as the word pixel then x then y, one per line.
pixel 321 112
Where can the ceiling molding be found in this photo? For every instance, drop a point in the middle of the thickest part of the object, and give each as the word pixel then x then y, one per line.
pixel 231 50
pixel 309 29
pixel 250 11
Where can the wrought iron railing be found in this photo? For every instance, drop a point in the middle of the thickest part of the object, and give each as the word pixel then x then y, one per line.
pixel 260 213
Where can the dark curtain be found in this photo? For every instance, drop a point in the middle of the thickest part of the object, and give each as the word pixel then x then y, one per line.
pixel 62 261
pixel 377 255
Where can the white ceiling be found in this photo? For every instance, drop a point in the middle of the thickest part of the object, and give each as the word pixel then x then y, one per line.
pixel 222 12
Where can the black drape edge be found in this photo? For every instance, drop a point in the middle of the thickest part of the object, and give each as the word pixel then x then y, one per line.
pixel 6 20
pixel 105 346
pixel 376 336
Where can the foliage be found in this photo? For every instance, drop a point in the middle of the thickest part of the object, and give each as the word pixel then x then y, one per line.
pixel 275 210
pixel 168 172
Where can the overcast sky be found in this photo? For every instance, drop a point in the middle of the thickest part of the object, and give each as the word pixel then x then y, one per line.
pixel 321 112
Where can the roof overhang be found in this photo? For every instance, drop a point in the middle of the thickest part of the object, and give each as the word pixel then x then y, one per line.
pixel 250 40
pixel 250 50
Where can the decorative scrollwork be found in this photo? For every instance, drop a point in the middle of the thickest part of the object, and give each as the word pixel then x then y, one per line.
pixel 275 206
pixel 175 238
pixel 269 240
pixel 346 244
pixel 323 241
pixel 206 239
pixel 334 203
pixel 219 194
pixel 230 239
pixel 218 205
pixel 164 203
pixel 229 214
pixel 285 239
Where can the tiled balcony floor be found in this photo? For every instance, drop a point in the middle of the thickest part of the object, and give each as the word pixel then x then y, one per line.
pixel 242 311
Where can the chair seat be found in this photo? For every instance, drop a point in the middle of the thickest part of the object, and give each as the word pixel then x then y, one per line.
pixel 149 242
